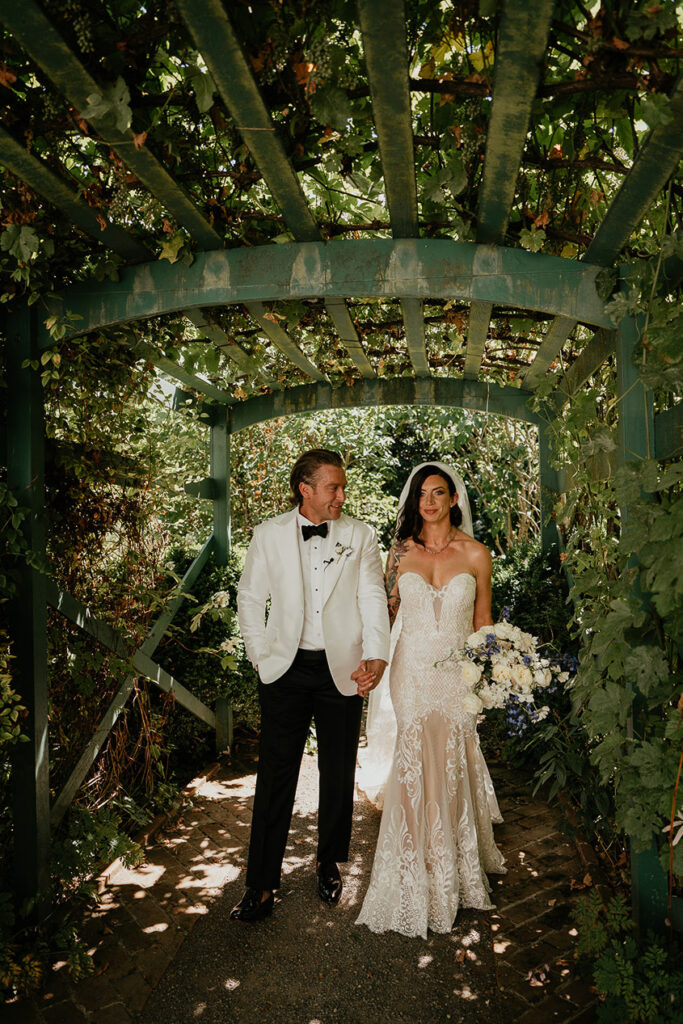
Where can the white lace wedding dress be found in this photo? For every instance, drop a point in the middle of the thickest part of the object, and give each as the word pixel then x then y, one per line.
pixel 435 841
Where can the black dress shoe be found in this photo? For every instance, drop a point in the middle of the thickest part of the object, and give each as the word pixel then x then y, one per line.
pixel 329 882
pixel 251 907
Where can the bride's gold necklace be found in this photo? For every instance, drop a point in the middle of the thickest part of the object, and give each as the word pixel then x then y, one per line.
pixel 437 551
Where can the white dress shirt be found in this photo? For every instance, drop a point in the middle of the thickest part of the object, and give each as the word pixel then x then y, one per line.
pixel 313 553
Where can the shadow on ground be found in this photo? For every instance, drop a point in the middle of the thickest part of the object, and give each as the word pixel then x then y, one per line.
pixel 310 964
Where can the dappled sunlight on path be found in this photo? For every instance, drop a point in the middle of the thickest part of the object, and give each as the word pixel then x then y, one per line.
pixel 166 952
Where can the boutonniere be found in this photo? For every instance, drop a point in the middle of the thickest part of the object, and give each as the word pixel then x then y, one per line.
pixel 340 550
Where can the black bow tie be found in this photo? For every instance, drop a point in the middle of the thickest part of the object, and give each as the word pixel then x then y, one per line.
pixel 314 531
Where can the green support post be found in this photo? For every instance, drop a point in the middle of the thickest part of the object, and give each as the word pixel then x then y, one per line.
pixel 220 474
pixel 224 725
pixel 649 887
pixel 25 476
pixel 549 486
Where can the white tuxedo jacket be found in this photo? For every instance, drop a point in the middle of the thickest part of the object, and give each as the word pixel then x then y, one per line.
pixel 355 620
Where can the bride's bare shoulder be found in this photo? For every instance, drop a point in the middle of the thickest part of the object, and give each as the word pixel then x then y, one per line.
pixel 477 551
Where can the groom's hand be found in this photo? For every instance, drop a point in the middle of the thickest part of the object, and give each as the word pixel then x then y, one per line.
pixel 367 675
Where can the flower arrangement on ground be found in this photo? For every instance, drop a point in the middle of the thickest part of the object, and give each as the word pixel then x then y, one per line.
pixel 504 664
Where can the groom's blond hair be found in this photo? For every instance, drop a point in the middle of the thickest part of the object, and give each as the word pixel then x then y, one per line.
pixel 305 468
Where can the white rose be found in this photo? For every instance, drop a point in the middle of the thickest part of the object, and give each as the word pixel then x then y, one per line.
pixel 500 671
pixel 539 678
pixel 471 674
pixel 522 677
pixel 563 677
pixel 472 703
pixel 504 631
pixel 542 713
pixel 478 638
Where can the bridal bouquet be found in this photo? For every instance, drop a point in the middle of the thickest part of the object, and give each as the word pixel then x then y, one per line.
pixel 502 662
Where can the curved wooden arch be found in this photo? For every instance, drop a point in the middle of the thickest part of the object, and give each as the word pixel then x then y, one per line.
pixel 474 395
pixel 371 268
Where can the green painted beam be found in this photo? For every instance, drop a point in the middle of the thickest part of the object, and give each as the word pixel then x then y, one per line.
pixel 477 331
pixel 282 340
pixel 72 785
pixel 46 183
pixel 205 488
pixel 338 311
pixel 598 349
pixel 669 433
pixel 374 268
pixel 219 445
pixel 215 38
pixel 522 39
pixel 657 160
pixel 40 39
pixel 172 369
pixel 412 311
pixel 383 28
pixel 226 344
pixel 555 337
pixel 25 479
pixel 473 395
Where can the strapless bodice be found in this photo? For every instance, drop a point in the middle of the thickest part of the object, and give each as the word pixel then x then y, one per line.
pixel 441 615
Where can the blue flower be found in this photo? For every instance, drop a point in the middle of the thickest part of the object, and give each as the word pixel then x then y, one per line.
pixel 505 613
pixel 526 659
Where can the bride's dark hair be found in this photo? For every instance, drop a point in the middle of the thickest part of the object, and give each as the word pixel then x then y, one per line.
pixel 410 521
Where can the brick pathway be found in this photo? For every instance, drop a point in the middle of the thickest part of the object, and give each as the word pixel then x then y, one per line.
pixel 148 914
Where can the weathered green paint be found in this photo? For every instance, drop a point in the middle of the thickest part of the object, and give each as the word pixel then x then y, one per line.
pixel 477 330
pixel 224 725
pixel 383 28
pixel 220 48
pixel 654 165
pixel 591 358
pixel 555 337
pixel 376 268
pixel 205 488
pixel 522 39
pixel 25 478
pixel 669 433
pixel 113 641
pixel 282 340
pixel 36 34
pixel 227 345
pixel 80 771
pixel 649 890
pixel 551 485
pixel 413 319
pixel 41 179
pixel 656 161
pixel 338 311
pixel 177 372
pixel 216 41
pixel 473 395
pixel 220 474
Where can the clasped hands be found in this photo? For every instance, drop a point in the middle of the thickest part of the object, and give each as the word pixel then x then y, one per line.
pixel 368 674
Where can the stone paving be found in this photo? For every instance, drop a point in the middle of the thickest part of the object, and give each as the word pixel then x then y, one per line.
pixel 142 931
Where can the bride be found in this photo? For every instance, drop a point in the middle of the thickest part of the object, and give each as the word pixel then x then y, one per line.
pixel 435 842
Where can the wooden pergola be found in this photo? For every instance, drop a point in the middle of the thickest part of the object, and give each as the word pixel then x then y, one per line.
pixel 484 276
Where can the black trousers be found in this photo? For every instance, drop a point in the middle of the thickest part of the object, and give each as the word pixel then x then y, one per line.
pixel 305 692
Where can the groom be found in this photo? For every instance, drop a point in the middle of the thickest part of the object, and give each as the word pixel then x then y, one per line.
pixel 324 647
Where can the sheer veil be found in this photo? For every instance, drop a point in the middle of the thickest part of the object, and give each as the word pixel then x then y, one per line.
pixel 375 758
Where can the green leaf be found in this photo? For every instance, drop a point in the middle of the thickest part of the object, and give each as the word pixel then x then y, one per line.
pixel 171 249
pixel 204 89
pixel 110 107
